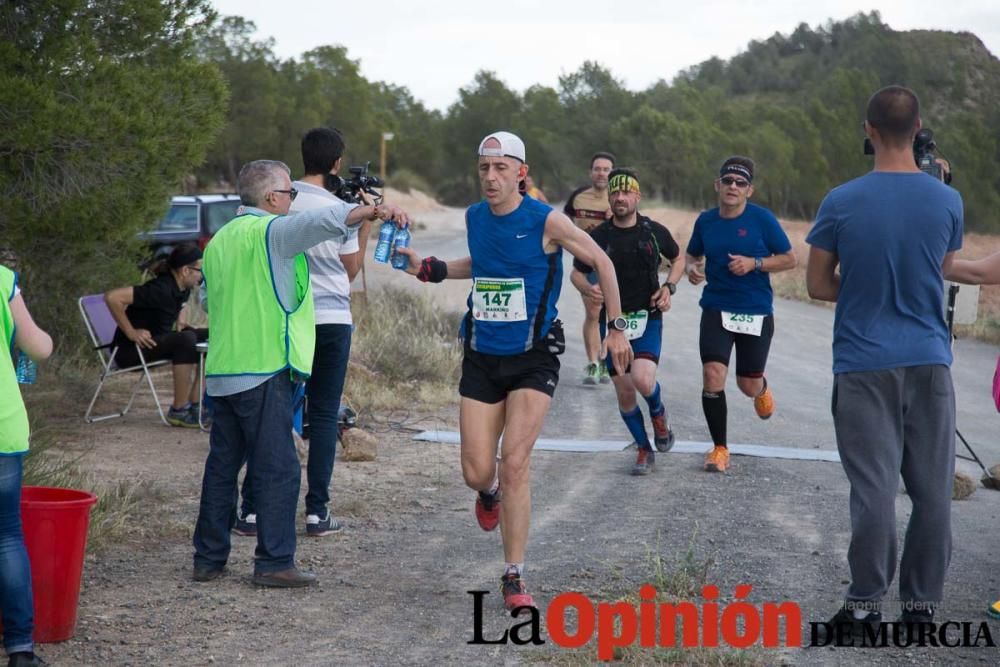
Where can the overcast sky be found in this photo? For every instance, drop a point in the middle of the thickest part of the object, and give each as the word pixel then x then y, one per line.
pixel 434 47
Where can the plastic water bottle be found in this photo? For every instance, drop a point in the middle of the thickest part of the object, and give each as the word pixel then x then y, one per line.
pixel 383 249
pixel 27 369
pixel 399 260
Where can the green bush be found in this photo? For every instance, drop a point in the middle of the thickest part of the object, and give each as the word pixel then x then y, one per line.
pixel 102 120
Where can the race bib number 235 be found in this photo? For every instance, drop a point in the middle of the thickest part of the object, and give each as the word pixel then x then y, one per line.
pixel 742 323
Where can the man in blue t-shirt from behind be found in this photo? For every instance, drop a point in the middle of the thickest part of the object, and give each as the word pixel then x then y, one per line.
pixel 893 232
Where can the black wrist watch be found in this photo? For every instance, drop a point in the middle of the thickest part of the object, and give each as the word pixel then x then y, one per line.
pixel 671 287
pixel 619 324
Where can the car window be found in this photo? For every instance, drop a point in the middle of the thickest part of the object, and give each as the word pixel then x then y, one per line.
pixel 219 213
pixel 180 218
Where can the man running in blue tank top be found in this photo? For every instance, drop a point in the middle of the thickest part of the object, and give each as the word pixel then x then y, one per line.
pixel 510 369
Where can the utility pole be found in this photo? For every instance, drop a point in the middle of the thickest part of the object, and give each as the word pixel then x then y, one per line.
pixel 386 136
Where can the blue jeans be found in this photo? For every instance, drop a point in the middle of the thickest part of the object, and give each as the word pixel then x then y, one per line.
pixel 16 605
pixel 253 426
pixel 298 405
pixel 325 388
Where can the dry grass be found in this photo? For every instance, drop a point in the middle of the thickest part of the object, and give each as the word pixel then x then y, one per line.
pixel 677 578
pixel 115 517
pixel 405 356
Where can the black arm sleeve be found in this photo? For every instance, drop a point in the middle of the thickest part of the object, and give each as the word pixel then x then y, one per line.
pixel 668 246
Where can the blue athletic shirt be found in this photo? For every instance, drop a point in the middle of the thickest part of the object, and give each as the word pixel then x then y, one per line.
pixel 754 233
pixel 505 247
pixel 890 232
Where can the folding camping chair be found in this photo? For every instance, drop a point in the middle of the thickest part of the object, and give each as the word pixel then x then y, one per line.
pixel 101 328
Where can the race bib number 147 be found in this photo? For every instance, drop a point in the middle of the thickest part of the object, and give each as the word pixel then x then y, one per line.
pixel 499 300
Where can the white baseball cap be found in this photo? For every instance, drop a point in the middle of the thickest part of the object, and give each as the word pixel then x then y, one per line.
pixel 510 146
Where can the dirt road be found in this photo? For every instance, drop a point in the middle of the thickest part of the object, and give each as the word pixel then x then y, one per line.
pixel 394 583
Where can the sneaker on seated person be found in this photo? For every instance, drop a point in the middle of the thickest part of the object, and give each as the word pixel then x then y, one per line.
pixel 182 417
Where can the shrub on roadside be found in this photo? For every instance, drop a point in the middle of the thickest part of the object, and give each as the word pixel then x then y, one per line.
pixel 403 337
pixel 405 353
pixel 406 180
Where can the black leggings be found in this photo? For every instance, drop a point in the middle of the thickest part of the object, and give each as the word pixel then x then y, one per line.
pixel 178 346
pixel 716 344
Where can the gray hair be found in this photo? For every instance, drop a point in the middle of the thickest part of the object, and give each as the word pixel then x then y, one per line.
pixel 259 177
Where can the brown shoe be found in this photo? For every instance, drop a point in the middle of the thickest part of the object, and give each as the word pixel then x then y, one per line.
pixel 717 459
pixel 290 578
pixel 203 574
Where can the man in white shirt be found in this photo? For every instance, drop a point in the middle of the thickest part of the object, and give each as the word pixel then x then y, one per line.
pixel 332 267
pixel 333 264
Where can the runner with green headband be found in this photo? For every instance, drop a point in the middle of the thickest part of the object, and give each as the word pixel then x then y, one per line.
pixel 635 245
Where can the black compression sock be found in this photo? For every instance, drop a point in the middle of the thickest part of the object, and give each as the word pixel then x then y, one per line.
pixel 714 405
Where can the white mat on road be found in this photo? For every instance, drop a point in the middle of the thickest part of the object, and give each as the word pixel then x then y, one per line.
pixel 680 447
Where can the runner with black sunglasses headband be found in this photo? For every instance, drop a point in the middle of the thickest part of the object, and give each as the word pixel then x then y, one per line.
pixel 733 248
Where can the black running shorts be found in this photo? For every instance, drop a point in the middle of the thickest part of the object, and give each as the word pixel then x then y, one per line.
pixel 716 344
pixel 488 378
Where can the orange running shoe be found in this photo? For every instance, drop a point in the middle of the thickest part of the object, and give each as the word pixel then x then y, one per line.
pixel 717 459
pixel 764 404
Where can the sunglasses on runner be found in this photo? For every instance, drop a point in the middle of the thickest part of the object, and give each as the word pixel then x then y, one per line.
pixel 738 182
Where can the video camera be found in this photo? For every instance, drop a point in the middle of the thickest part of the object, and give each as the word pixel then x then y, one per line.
pixel 350 190
pixel 923 153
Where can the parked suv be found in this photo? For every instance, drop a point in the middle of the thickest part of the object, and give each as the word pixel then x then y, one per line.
pixel 191 219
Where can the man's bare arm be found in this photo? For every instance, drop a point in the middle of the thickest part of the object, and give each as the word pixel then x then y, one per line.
pixel 28 336
pixel 457 269
pixel 118 300
pixel 676 269
pixel 984 271
pixel 694 268
pixel 561 231
pixel 822 280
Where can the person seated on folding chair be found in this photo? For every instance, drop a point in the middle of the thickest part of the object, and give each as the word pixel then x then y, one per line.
pixel 146 315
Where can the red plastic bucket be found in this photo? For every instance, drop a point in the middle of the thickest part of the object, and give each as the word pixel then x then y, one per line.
pixel 55 533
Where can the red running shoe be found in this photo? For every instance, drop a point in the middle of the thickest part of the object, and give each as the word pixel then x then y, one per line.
pixel 663 435
pixel 488 510
pixel 515 593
